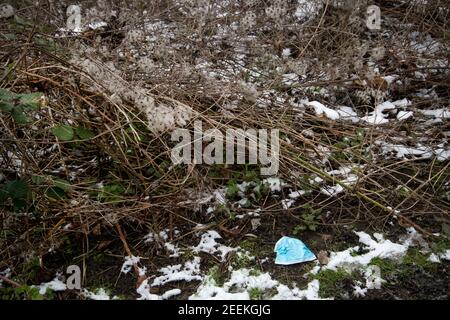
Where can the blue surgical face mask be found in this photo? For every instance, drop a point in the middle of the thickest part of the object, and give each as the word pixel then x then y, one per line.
pixel 291 251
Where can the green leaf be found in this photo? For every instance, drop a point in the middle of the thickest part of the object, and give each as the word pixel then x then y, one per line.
pixel 62 184
pixel 6 95
pixel 6 106
pixel 299 228
pixel 341 145
pixel 30 100
pixel 30 293
pixel 19 204
pixel 110 193
pixel 19 116
pixel 17 189
pixel 38 179
pixel 55 193
pixel 9 36
pixel 63 132
pixel 22 21
pixel 84 133
pixel 446 230
pixel 232 189
pixel 17 103
pixel 6 100
pixel 3 194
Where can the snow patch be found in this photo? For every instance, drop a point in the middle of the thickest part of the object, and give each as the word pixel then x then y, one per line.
pixel 242 281
pixel 320 109
pixel 377 116
pixel 99 294
pixel 129 262
pixel 209 245
pixel 54 285
pixel 190 271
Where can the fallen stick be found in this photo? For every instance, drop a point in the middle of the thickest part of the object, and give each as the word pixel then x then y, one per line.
pixel 11 282
pixel 140 278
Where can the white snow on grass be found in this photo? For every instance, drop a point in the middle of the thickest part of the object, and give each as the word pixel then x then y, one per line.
pixel 275 184
pixel 98 294
pixel 438 257
pixel 144 292
pixel 419 151
pixel 209 245
pixel 310 293
pixel 129 262
pixel 374 247
pixel 242 281
pixel 402 151
pixel 161 236
pixel 189 271
pixel 403 115
pixel 434 258
pixel 287 203
pixel 97 25
pixel 391 78
pixel 174 251
pixel 296 194
pixel 359 291
pixel 402 103
pixel 209 291
pixel 320 109
pixel 436 113
pixel 377 116
pixel 286 53
pixel 289 79
pixel 170 293
pixel 346 178
pixel 255 213
pixel 347 113
pixel 379 248
pixel 442 154
pixel 445 255
pixel 54 285
pixel 218 196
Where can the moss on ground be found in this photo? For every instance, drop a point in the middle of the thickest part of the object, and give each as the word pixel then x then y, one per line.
pixel 336 283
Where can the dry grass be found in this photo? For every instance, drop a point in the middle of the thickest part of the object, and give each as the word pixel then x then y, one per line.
pixel 145 191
